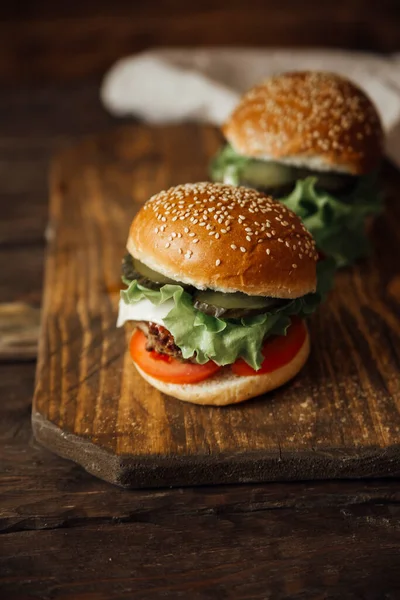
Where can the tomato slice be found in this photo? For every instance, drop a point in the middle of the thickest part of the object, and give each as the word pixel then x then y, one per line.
pixel 167 368
pixel 277 351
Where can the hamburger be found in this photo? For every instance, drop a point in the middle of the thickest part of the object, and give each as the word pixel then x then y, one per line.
pixel 219 281
pixel 314 141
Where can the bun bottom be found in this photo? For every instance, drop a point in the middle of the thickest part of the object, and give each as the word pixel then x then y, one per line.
pixel 227 388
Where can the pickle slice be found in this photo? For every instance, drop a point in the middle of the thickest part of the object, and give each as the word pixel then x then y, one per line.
pixel 134 269
pixel 234 305
pixel 268 174
pixel 331 182
pixel 151 275
pixel 271 176
pixel 231 300
pixel 217 304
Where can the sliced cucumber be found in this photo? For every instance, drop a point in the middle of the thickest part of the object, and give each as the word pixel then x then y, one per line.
pixel 232 306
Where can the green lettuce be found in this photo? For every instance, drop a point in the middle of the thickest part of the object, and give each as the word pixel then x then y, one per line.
pixel 337 225
pixel 228 163
pixel 225 340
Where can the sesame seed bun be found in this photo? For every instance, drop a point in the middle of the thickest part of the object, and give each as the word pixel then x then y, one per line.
pixel 225 238
pixel 308 119
pixel 227 388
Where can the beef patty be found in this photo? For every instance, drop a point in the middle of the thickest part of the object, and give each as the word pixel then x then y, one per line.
pixel 161 340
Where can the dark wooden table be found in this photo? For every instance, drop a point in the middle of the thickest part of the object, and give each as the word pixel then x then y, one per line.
pixel 68 535
pixel 64 534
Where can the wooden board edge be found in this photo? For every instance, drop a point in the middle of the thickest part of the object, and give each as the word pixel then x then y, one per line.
pixel 166 471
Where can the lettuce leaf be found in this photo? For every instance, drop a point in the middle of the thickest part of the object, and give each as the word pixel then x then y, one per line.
pixel 228 165
pixel 225 340
pixel 338 225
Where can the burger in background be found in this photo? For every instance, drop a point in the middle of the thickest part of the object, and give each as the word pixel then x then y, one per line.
pixel 314 141
pixel 220 279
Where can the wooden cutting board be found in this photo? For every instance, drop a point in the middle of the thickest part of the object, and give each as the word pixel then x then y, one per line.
pixel 338 418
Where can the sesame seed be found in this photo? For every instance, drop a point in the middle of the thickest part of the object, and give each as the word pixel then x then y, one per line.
pixel 268 251
pixel 217 262
pixel 294 266
pixel 222 201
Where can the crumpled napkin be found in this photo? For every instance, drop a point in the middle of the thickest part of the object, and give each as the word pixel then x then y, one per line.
pixel 205 84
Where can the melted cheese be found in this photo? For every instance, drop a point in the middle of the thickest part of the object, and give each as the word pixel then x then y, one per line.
pixel 143 310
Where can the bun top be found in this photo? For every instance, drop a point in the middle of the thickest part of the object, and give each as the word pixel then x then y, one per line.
pixel 310 119
pixel 226 238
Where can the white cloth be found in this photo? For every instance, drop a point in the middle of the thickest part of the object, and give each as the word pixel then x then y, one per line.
pixel 204 85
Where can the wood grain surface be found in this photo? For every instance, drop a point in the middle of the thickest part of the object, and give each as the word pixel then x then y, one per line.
pixel 339 418
pixel 19 331
pixel 66 535
pixel 62 531
pixel 231 554
pixel 46 40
